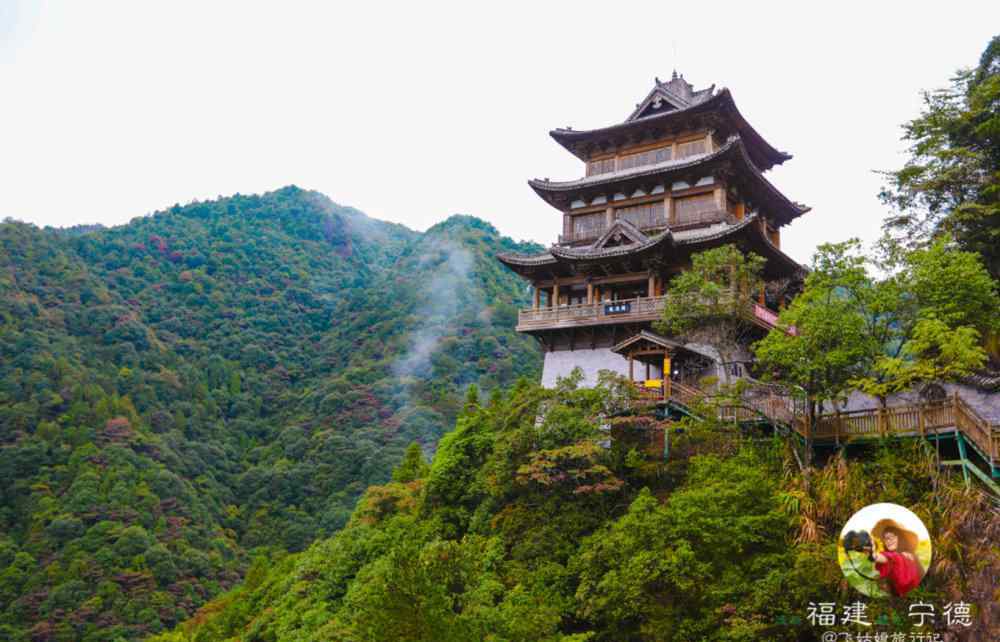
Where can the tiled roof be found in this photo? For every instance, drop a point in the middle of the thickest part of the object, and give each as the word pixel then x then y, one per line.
pixel 784 210
pixel 569 259
pixel 702 103
pixel 679 93
pixel 652 337
pixel 594 251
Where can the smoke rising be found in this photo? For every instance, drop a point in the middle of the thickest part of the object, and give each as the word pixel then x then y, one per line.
pixel 439 301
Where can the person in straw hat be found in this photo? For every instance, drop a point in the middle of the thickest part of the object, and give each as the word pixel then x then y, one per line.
pixel 897 563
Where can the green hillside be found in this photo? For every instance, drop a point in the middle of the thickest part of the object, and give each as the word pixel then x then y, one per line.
pixel 525 529
pixel 218 377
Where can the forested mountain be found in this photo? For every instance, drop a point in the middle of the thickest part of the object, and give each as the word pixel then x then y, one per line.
pixel 218 377
pixel 530 530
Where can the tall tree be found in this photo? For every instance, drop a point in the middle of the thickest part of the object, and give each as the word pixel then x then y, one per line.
pixel 707 302
pixel 830 340
pixel 935 304
pixel 950 186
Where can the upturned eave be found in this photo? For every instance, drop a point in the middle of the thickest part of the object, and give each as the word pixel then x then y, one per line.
pixel 585 143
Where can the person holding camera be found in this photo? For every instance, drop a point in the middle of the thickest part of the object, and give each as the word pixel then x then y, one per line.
pixel 897 563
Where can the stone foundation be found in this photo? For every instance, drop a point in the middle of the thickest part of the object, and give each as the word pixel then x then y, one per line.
pixel 560 363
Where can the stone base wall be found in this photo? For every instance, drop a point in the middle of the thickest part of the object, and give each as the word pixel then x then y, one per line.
pixel 561 362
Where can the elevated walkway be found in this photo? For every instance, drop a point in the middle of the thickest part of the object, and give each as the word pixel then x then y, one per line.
pixel 977 439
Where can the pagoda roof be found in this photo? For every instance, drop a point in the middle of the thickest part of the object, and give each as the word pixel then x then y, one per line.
pixel 680 109
pixel 676 93
pixel 651 337
pixel 733 158
pixel 665 247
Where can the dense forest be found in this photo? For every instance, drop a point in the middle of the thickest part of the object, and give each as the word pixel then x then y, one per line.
pixel 531 530
pixel 219 378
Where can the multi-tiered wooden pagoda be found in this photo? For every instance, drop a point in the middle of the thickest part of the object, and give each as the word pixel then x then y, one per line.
pixel 683 173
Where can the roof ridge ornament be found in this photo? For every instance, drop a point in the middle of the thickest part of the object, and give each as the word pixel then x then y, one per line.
pixel 674 94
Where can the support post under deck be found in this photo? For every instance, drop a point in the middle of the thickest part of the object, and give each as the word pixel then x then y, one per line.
pixel 961 453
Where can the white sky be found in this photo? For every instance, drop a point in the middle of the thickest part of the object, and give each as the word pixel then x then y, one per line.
pixel 415 111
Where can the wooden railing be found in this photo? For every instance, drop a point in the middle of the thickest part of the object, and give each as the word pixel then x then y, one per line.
pixel 754 403
pixel 637 309
pixel 910 420
pixel 684 394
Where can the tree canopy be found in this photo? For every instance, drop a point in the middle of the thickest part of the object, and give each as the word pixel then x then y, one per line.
pixel 950 185
pixel 218 378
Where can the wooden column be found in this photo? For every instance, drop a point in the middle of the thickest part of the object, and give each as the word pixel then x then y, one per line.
pixel 667 367
pixel 537 298
pixel 631 368
pixel 720 197
pixel 609 216
pixel 647 371
pixel 651 286
pixel 590 291
pixel 668 204
pixel 555 293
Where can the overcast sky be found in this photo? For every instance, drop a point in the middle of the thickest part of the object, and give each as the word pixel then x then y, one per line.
pixel 415 111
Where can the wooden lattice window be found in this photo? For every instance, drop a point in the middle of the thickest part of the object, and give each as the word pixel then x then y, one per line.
pixel 600 166
pixel 588 225
pixel 650 157
pixel 694 209
pixel 644 216
pixel 691 148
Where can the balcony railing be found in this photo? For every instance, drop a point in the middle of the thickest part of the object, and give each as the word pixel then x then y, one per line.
pixel 598 313
pixel 624 310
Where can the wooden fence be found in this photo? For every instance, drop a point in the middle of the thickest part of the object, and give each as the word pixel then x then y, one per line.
pixel 912 420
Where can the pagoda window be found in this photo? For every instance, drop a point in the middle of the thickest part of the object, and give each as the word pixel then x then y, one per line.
pixel 649 157
pixel 691 148
pixel 644 216
pixel 627 291
pixel 589 225
pixel 578 295
pixel 692 210
pixel 600 166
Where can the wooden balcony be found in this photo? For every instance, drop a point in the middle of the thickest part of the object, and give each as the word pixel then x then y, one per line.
pixel 587 314
pixel 622 311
